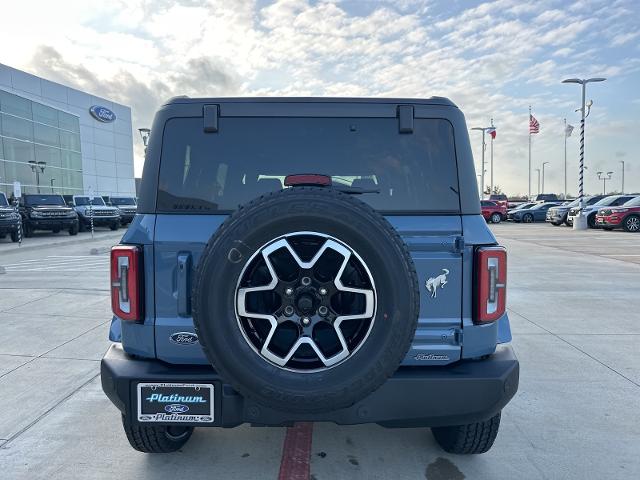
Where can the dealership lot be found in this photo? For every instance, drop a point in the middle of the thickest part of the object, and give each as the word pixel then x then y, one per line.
pixel 575 317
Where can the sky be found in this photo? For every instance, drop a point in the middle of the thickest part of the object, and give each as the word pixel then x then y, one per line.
pixel 493 59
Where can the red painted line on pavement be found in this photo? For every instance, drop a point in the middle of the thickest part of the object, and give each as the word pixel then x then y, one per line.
pixel 296 452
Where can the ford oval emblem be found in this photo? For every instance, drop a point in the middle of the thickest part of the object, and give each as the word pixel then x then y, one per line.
pixel 176 408
pixel 184 338
pixel 102 114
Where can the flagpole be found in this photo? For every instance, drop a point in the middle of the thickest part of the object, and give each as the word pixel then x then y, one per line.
pixel 491 189
pixel 565 158
pixel 529 152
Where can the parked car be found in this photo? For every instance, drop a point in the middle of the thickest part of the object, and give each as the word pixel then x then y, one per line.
pixel 626 216
pixel 307 299
pixel 536 213
pixel 500 199
pixel 46 212
pixel 9 219
pixel 493 212
pixel 591 210
pixel 558 215
pixel 127 207
pixel 547 197
pixel 511 211
pixel 103 216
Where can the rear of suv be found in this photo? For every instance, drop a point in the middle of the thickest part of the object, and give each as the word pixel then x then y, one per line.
pixel 309 260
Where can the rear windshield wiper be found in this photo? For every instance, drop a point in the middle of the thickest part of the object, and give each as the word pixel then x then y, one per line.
pixel 354 190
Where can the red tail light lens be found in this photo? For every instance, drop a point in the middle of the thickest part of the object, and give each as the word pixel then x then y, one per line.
pixel 491 283
pixel 126 282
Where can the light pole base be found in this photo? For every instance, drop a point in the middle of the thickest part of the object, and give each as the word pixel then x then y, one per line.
pixel 580 222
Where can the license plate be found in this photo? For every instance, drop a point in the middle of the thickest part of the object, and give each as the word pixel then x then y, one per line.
pixel 175 402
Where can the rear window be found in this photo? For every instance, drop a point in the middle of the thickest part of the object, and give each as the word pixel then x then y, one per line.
pixel 216 172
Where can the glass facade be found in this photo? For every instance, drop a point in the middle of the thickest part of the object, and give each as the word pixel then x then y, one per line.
pixel 34 136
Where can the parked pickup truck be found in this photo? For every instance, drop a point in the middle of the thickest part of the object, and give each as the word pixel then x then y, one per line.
pixel 297 259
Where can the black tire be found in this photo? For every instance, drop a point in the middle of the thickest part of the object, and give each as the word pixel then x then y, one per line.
pixel 556 224
pixel 156 438
pixel 73 229
pixel 496 218
pixel 28 230
pixel 467 439
pixel 306 209
pixel 631 224
pixel 15 237
pixel 81 226
pixel 527 218
pixel 56 230
pixel 114 226
pixel 591 221
pixel 608 229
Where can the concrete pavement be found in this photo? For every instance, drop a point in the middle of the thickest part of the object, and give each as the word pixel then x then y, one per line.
pixel 575 316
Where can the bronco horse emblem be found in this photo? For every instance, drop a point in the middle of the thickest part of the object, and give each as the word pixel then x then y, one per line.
pixel 434 282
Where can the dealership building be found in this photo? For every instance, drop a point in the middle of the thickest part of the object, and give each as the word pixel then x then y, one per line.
pixel 54 138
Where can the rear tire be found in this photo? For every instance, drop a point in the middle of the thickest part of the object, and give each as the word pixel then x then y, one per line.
pixel 472 438
pixel 157 438
pixel 496 218
pixel 631 224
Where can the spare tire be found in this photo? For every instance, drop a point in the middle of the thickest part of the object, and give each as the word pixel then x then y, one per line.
pixel 305 300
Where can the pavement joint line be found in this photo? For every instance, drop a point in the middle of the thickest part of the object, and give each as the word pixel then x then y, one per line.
pixel 42 355
pixel 63 289
pixel 31 301
pixel 579 349
pixel 569 250
pixel 43 415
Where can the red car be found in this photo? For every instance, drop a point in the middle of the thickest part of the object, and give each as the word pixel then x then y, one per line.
pixel 500 199
pixel 626 216
pixel 492 211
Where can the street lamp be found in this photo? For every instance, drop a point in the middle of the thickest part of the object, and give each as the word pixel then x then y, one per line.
pixel 622 162
pixel 484 145
pixel 144 133
pixel 52 180
pixel 38 168
pixel 580 221
pixel 604 179
pixel 538 170
pixel 543 164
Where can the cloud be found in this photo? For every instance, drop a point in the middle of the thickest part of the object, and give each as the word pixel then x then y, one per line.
pixel 492 59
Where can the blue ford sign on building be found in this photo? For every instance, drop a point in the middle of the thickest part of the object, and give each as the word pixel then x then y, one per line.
pixel 102 114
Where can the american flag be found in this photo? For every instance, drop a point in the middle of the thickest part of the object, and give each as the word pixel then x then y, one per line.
pixel 534 125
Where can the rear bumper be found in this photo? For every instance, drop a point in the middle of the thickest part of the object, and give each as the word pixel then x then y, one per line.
pixel 456 394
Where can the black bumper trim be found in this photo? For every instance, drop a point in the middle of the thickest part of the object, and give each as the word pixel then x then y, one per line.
pixel 466 392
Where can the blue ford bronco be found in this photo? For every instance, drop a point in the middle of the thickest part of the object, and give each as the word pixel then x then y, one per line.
pixel 307 259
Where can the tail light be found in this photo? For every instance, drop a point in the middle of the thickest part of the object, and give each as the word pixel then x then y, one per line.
pixel 491 283
pixel 126 282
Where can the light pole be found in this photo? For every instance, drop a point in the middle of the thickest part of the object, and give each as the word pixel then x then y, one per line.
pixel 543 164
pixel 52 180
pixel 580 221
pixel 622 162
pixel 538 170
pixel 484 145
pixel 601 176
pixel 38 168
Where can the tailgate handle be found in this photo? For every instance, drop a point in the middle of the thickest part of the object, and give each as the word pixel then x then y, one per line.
pixel 184 284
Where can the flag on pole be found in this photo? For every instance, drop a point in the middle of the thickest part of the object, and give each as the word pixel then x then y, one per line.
pixel 568 130
pixel 492 131
pixel 534 125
